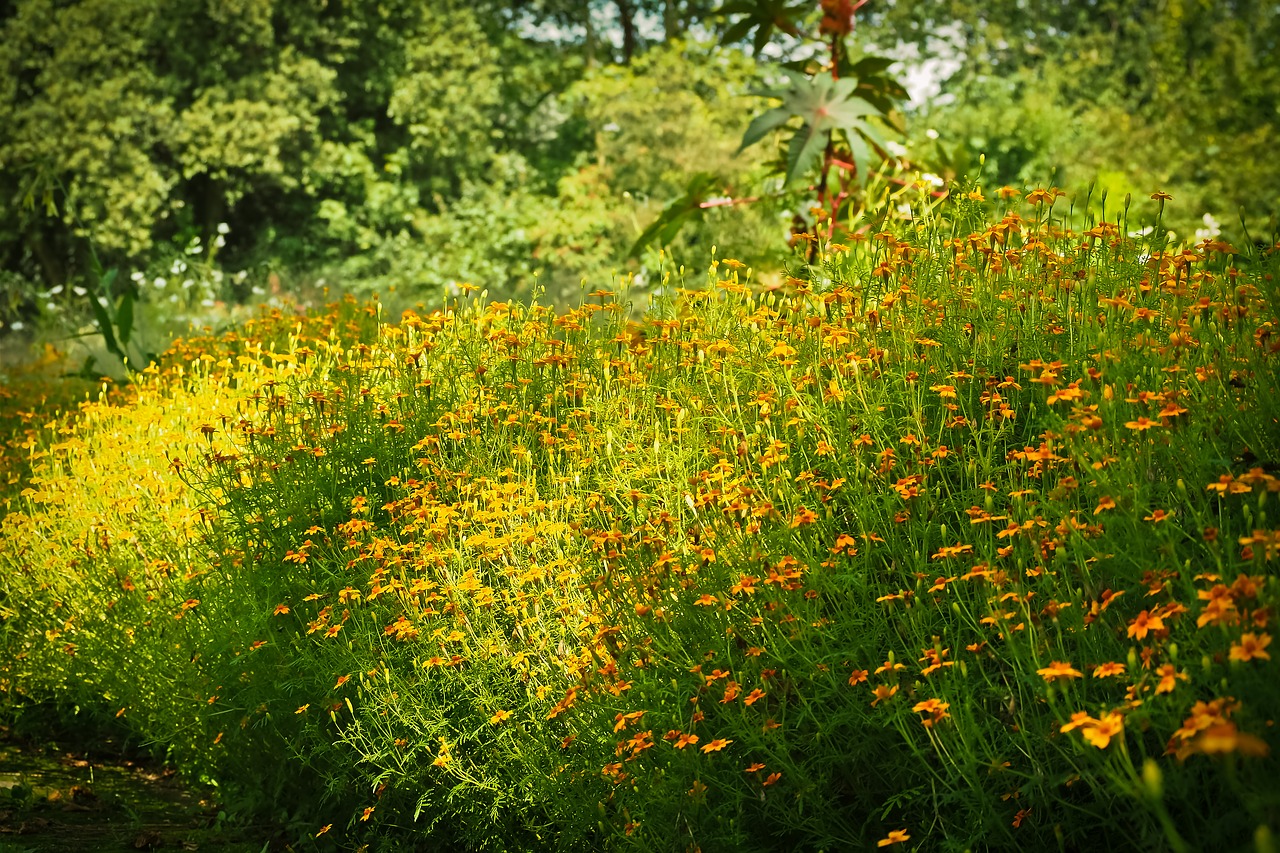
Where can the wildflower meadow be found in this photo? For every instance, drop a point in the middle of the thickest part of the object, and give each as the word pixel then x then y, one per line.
pixel 964 540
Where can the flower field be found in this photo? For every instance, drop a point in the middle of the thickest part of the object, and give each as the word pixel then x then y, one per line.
pixel 963 541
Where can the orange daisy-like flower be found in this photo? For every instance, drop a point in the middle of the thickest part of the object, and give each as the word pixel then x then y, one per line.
pixel 1169 676
pixel 857 676
pixel 884 692
pixel 1145 623
pixel 1141 424
pixel 1226 738
pixel 717 745
pixel 936 710
pixel 1101 732
pixel 895 836
pixel 1106 670
pixel 499 716
pixel 1251 646
pixel 1059 670
pixel 1104 504
pixel 1078 719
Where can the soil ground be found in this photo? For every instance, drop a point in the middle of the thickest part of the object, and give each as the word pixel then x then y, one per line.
pixel 100 800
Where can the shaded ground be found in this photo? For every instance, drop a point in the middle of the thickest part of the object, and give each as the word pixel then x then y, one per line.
pixel 102 801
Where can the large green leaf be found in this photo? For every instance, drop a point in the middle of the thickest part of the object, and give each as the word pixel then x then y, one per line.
pixel 823 104
pixel 763 16
pixel 124 317
pixel 686 208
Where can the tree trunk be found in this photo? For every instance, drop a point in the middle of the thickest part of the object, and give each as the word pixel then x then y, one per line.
pixel 626 14
pixel 589 43
pixel 671 19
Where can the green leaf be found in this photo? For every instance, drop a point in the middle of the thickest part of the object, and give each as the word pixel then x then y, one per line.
pixel 761 125
pixel 824 105
pixel 763 16
pixel 105 321
pixel 124 317
pixel 684 209
pixel 867 66
pixel 104 326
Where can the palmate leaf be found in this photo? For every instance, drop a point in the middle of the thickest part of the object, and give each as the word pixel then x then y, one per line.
pixel 824 105
pixel 763 16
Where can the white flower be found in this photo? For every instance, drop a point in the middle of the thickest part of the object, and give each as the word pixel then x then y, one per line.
pixel 931 133
pixel 1210 230
pixel 79 291
pixel 224 228
pixel 159 283
pixel 17 325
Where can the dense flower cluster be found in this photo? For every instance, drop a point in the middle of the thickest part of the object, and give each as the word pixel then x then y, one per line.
pixel 969 539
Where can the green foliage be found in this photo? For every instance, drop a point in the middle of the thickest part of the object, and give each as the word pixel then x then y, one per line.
pixel 962 542
pixel 832 102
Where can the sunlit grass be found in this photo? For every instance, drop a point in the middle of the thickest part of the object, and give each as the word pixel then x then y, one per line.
pixel 961 541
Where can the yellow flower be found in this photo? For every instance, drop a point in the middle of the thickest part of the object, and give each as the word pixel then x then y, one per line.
pixel 1251 646
pixel 499 716
pixel 1100 732
pixel 895 836
pixel 1059 670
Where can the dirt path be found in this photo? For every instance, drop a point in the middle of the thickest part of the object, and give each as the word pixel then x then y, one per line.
pixel 104 802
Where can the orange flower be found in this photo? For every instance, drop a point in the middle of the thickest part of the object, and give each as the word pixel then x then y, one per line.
pixel 754 696
pixel 884 692
pixel 1251 646
pixel 499 716
pixel 1106 670
pixel 1169 676
pixel 1106 503
pixel 1078 719
pixel 1100 732
pixel 936 710
pixel 1141 424
pixel 1144 623
pixel 1224 738
pixel 685 739
pixel 1059 670
pixel 857 676
pixel 716 745
pixel 895 836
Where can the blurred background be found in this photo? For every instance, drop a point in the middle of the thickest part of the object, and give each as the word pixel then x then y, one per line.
pixel 165 163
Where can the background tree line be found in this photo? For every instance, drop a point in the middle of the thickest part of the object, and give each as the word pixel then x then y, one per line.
pixel 417 145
